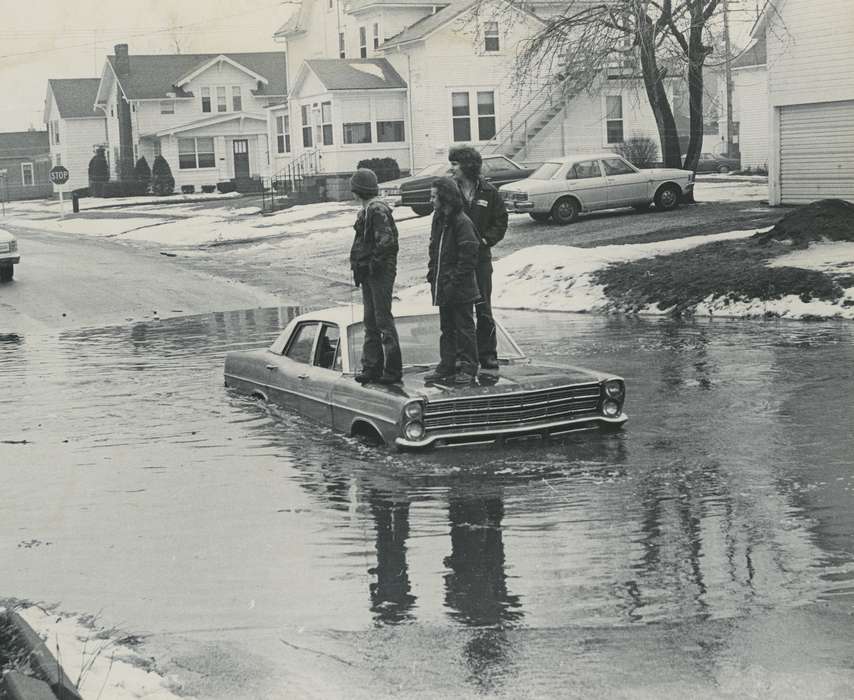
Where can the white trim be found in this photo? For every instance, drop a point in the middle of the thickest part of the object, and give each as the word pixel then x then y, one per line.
pixel 222 58
pixel 473 113
pixel 209 121
pixel 32 174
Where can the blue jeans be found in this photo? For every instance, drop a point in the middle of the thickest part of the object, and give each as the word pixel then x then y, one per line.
pixel 381 351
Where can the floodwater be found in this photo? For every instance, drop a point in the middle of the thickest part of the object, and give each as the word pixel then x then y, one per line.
pixel 707 551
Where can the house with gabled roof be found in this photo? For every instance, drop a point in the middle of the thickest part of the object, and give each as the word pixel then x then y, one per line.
pixel 750 105
pixel 75 128
pixel 24 165
pixel 204 113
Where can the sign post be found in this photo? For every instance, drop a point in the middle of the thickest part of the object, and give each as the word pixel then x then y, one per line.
pixel 59 176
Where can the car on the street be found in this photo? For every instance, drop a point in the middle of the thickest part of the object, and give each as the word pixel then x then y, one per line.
pixel 414 191
pixel 715 163
pixel 310 367
pixel 9 256
pixel 561 188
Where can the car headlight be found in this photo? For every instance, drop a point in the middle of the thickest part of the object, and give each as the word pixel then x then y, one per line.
pixel 414 410
pixel 414 430
pixel 615 389
pixel 611 409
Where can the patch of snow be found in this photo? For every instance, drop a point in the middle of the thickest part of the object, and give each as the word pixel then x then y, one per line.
pixel 737 191
pixel 370 69
pixel 824 256
pixel 88 227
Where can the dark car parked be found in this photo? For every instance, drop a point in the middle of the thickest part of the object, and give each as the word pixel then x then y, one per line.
pixel 714 163
pixel 414 191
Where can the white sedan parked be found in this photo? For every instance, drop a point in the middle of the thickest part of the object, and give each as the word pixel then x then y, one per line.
pixel 562 187
pixel 8 255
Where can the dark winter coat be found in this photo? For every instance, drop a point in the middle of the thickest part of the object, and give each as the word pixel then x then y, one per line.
pixel 375 244
pixel 453 257
pixel 489 216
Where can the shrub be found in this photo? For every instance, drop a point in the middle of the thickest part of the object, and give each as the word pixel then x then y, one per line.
pixel 384 168
pixel 162 181
pixel 208 188
pixel 142 174
pixel 188 189
pixel 225 186
pixel 640 151
pixel 99 171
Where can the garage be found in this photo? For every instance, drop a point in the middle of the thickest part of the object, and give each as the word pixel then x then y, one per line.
pixel 816 152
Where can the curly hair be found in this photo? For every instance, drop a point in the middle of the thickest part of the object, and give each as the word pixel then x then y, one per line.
pixel 469 160
pixel 450 197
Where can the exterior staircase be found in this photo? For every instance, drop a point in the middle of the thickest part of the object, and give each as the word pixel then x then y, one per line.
pixel 293 184
pixel 528 121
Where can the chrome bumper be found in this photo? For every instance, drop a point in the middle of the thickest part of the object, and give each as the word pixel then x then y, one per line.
pixel 487 435
pixel 513 206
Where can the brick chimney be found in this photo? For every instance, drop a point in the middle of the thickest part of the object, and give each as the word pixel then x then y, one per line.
pixel 122 63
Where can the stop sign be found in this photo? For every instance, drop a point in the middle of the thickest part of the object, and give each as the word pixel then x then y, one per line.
pixel 58 175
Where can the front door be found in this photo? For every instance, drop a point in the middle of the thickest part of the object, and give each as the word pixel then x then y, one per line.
pixel 241 158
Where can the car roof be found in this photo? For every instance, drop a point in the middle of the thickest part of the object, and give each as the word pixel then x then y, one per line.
pixel 348 314
pixel 573 157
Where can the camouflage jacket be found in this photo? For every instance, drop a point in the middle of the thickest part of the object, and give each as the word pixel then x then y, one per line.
pixel 375 244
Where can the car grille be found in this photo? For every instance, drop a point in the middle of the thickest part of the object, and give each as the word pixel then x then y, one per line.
pixel 514 409
pixel 5 247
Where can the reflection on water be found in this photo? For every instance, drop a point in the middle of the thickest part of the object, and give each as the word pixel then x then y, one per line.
pixel 729 492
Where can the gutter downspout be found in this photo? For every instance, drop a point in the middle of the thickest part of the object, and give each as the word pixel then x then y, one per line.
pixel 409 110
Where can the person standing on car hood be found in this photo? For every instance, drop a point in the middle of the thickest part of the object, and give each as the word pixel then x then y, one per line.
pixel 373 259
pixel 484 206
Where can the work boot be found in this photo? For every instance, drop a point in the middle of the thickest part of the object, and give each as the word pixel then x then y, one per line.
pixel 438 374
pixel 390 379
pixel 491 363
pixel 462 379
pixel 366 376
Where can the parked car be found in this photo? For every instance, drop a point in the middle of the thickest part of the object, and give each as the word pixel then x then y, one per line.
pixel 562 187
pixel 310 368
pixel 714 163
pixel 8 255
pixel 414 191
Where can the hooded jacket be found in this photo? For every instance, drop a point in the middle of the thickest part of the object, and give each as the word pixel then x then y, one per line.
pixel 375 243
pixel 453 257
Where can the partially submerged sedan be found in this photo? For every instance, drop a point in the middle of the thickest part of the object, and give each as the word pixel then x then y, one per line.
pixel 562 187
pixel 310 368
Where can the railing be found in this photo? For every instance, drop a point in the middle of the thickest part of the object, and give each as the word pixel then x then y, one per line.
pixel 279 191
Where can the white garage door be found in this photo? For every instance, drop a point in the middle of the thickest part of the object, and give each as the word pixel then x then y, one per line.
pixel 817 152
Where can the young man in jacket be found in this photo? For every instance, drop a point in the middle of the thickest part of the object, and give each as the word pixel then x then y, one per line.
pixel 451 274
pixel 373 259
pixel 484 206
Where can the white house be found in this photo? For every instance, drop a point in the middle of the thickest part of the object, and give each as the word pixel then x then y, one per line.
pixel 204 113
pixel 810 64
pixel 74 127
pixel 750 106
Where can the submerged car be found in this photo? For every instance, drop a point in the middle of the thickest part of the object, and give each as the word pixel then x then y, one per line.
pixel 9 256
pixel 310 367
pixel 414 191
pixel 561 188
pixel 714 163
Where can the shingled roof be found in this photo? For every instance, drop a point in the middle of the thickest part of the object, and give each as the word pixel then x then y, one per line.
pixel 356 73
pixel 23 144
pixel 75 97
pixel 153 76
pixel 430 23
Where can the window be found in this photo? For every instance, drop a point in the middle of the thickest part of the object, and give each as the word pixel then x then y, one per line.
pixel 461 116
pixel 376 36
pixel 357 132
pixel 236 99
pixel 614 118
pixel 196 153
pixel 206 99
pixel 583 170
pixel 56 131
pixel 390 132
pixel 363 42
pixel 221 102
pixel 326 122
pixel 156 148
pixel 167 107
pixel 490 36
pixel 58 159
pixel 617 166
pixel 327 355
pixel 341 52
pixel 329 4
pixel 26 173
pixel 305 112
pixel 485 115
pixel 283 134
pixel 302 341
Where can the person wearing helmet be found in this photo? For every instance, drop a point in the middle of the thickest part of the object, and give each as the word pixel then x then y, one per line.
pixel 373 259
pixel 485 208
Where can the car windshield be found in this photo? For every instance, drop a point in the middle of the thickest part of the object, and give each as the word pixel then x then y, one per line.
pixel 546 171
pixel 435 169
pixel 419 341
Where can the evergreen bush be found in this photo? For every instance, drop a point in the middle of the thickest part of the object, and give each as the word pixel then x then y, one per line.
pixel 162 181
pixel 99 171
pixel 384 168
pixel 142 175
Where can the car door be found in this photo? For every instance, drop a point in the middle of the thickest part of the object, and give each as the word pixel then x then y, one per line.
pixel 320 375
pixel 585 181
pixel 626 185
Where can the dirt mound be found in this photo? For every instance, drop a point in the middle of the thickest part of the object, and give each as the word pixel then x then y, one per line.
pixel 827 219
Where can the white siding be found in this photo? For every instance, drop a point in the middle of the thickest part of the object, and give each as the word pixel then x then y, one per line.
pixel 77 141
pixel 750 110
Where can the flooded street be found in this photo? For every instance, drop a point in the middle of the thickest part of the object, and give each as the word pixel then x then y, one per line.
pixel 705 552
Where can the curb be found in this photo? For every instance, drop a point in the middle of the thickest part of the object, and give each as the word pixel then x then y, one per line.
pixel 48 681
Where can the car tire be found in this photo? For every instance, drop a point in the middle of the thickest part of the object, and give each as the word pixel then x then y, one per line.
pixel 7 272
pixel 667 198
pixel 565 210
pixel 723 169
pixel 539 216
pixel 422 209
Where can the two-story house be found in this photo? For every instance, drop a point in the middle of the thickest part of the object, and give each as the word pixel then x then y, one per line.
pixel 204 113
pixel 75 128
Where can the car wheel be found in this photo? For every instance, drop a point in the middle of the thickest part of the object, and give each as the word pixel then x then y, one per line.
pixel 6 273
pixel 539 216
pixel 422 209
pixel 723 169
pixel 667 198
pixel 565 210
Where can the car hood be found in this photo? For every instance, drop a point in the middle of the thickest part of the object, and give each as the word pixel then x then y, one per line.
pixel 5 236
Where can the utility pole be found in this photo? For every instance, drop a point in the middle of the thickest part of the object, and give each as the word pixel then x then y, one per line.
pixel 728 73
